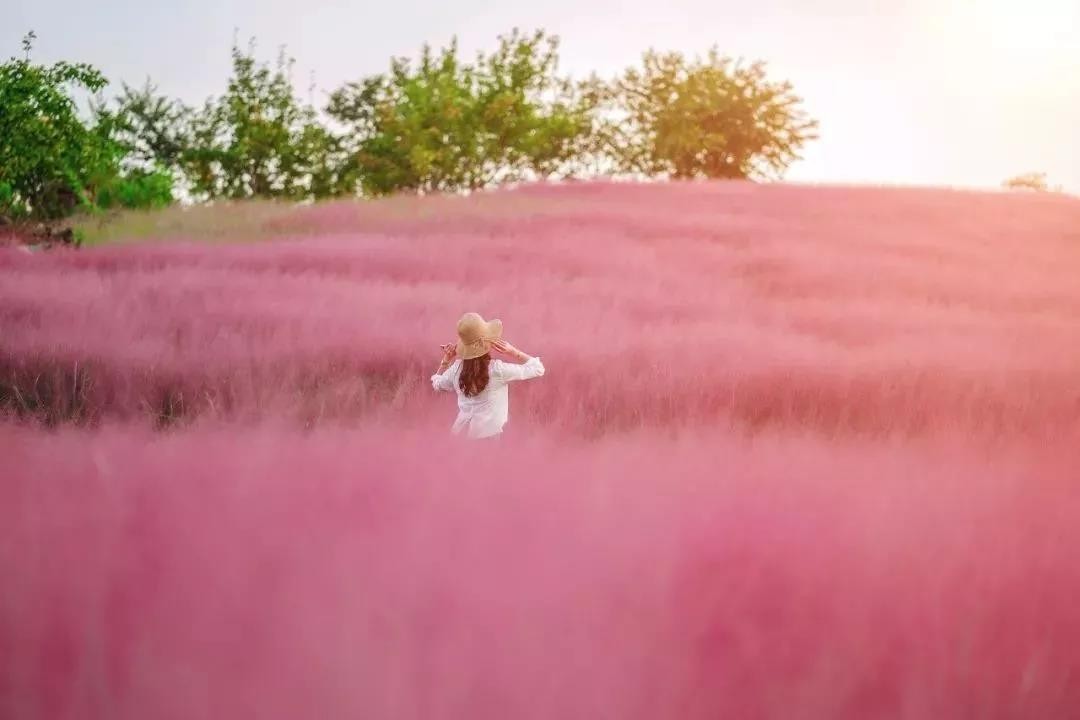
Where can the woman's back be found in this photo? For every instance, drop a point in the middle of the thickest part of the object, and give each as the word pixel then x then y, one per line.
pixel 484 413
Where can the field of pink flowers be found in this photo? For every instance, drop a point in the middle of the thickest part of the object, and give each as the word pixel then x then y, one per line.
pixel 799 452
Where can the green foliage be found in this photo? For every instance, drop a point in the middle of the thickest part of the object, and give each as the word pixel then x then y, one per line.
pixel 7 196
pixel 713 118
pixel 152 129
pixel 51 162
pixel 443 124
pixel 437 124
pixel 146 189
pixel 258 140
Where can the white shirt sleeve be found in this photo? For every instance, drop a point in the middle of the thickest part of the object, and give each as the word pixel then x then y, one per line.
pixel 531 368
pixel 445 382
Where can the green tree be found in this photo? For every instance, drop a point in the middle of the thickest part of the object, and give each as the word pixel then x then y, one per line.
pixel 153 129
pixel 714 118
pixel 256 140
pixel 51 161
pixel 259 140
pixel 531 122
pixel 140 179
pixel 443 124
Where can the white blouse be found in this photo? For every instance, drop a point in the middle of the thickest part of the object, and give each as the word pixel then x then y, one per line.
pixel 485 414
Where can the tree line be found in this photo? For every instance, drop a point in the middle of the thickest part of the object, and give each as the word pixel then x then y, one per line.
pixel 439 122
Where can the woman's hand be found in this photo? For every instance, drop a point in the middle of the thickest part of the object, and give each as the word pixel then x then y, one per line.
pixel 507 349
pixel 449 353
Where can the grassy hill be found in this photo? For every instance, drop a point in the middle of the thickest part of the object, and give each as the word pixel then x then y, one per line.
pixel 799 452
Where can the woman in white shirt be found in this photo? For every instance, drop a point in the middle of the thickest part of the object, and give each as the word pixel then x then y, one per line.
pixel 480 381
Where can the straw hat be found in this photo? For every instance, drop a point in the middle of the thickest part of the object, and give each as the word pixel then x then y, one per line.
pixel 475 335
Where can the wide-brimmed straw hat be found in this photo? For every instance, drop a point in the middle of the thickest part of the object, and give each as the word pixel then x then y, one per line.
pixel 475 335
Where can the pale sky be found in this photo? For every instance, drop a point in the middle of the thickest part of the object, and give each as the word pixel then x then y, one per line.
pixel 928 92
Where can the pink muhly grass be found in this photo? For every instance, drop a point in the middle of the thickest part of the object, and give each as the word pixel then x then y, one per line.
pixel 799 452
pixel 223 572
pixel 838 310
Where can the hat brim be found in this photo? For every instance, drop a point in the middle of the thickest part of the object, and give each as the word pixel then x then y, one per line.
pixel 492 331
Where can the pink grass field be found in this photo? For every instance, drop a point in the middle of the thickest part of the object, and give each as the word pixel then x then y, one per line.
pixel 799 453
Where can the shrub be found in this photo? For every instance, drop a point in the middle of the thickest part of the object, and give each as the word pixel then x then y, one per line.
pixel 137 189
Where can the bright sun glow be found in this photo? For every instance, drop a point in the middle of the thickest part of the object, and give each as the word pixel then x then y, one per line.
pixel 1026 27
pixel 1027 45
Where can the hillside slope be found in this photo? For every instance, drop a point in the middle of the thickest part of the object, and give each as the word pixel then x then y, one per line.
pixel 829 310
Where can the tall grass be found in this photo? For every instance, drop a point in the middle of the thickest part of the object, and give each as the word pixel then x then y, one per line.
pixel 232 221
pixel 799 452
pixel 839 311
pixel 396 574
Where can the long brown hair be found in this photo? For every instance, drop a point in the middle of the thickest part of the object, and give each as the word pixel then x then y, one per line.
pixel 474 375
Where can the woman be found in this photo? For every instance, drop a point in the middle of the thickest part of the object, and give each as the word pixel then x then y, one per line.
pixel 480 381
